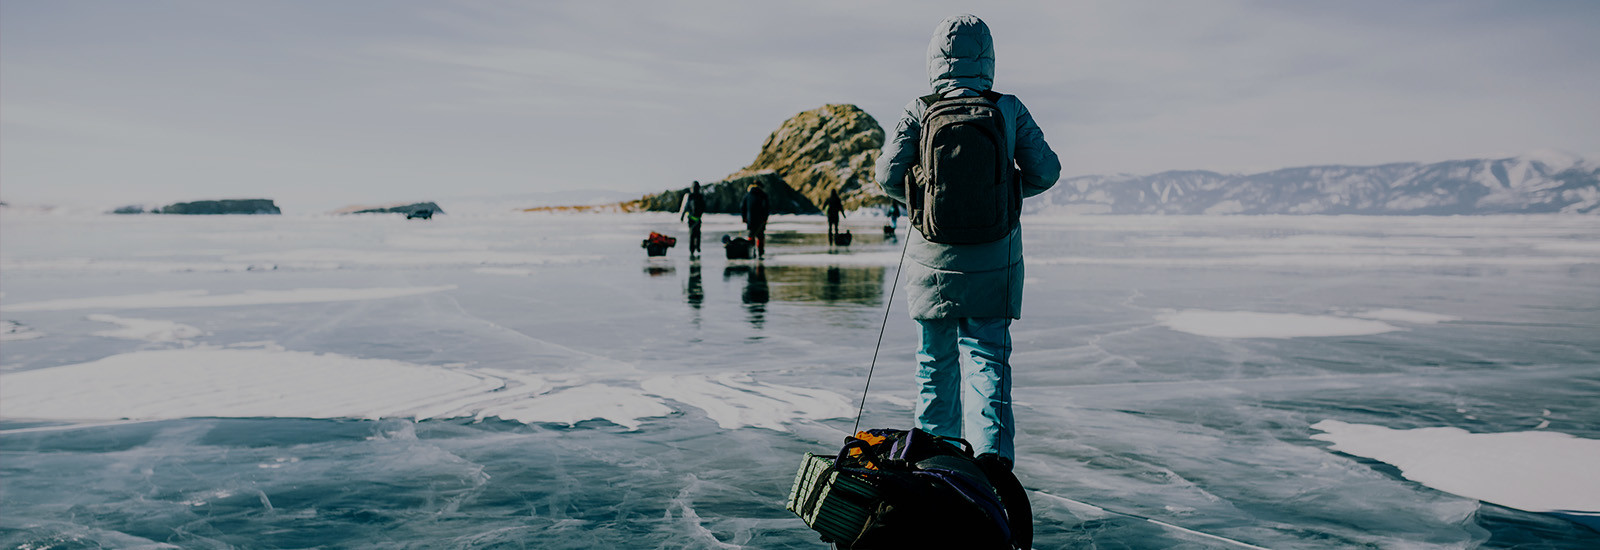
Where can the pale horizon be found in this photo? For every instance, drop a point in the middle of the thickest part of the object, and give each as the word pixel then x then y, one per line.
pixel 321 106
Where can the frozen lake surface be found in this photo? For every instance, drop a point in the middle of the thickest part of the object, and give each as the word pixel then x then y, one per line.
pixel 534 381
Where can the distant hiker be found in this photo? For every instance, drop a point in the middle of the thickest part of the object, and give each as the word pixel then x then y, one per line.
pixel 835 210
pixel 754 213
pixel 693 208
pixel 964 277
pixel 894 215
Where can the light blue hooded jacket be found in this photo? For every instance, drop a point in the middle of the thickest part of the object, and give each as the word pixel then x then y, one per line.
pixel 947 281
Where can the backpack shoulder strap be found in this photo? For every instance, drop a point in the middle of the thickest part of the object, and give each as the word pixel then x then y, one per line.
pixel 930 99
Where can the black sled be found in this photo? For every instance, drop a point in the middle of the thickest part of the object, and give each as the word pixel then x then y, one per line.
pixel 842 239
pixel 738 248
pixel 893 489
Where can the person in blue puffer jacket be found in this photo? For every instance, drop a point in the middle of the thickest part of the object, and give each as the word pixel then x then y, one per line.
pixel 964 296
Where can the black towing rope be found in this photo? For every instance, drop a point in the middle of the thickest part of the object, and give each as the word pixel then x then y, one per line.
pixel 886 307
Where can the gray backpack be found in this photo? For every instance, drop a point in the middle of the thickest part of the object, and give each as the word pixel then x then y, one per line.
pixel 963 188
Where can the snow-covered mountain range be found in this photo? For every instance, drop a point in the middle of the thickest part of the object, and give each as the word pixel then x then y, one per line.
pixel 1533 183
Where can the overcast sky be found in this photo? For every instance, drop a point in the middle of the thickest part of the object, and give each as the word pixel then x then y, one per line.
pixel 320 104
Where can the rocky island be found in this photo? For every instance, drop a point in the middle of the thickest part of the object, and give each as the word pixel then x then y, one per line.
pixel 407 208
pixel 830 148
pixel 208 207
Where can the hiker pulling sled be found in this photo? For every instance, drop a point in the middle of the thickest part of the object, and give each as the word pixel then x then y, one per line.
pixel 961 160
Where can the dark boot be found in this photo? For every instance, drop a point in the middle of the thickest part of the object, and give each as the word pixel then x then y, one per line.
pixel 1018 511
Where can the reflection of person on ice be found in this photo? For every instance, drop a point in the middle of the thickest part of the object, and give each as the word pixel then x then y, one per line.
pixel 835 210
pixel 692 209
pixel 754 213
pixel 964 279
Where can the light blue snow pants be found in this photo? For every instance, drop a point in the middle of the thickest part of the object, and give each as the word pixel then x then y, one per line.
pixel 964 378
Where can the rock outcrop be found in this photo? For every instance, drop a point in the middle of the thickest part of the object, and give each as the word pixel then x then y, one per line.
pixel 833 147
pixel 726 196
pixel 397 208
pixel 227 206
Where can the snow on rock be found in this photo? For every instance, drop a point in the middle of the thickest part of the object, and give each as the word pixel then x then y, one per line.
pixel 1541 182
pixel 202 298
pixel 1249 324
pixel 1553 159
pixel 1534 471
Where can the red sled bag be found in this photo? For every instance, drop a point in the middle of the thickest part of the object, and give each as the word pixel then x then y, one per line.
pixel 657 244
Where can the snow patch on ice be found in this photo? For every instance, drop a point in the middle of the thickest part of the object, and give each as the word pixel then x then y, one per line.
pixel 245 383
pixel 1571 247
pixel 268 381
pixel 1405 316
pixel 410 258
pixel 418 242
pixel 140 266
pixel 736 401
pixel 408 253
pixel 511 385
pixel 202 298
pixel 511 271
pixel 11 331
pixel 1534 471
pixel 148 330
pixel 624 407
pixel 1250 324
